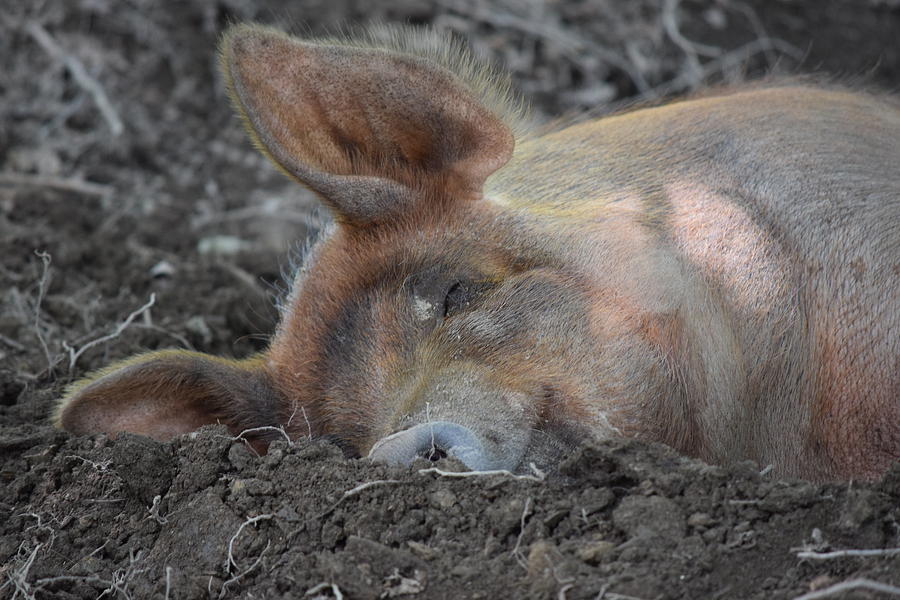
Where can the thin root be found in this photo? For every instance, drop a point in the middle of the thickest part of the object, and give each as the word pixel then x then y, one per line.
pixel 851 584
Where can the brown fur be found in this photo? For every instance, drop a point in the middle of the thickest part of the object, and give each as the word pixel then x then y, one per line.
pixel 717 274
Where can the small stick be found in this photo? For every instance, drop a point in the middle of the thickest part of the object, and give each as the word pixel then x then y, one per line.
pixel 670 24
pixel 154 513
pixel 96 550
pixel 79 74
pixel 78 186
pixel 308 425
pixel 843 553
pixel 604 595
pixel 293 414
pixel 280 430
pixel 12 343
pixel 19 577
pixel 42 289
pixel 517 554
pixel 504 472
pixel 757 27
pixel 286 216
pixel 177 337
pixel 39 583
pixel 245 571
pixel 244 278
pixel 168 581
pixel 720 63
pixel 356 490
pixel 324 586
pixel 122 577
pixel 75 355
pixel 101 466
pixel 850 584
pixel 249 521
pixel 367 485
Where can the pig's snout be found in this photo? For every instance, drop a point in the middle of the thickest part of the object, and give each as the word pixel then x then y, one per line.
pixel 436 440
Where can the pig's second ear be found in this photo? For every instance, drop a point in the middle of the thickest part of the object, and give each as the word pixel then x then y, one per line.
pixel 370 129
pixel 164 394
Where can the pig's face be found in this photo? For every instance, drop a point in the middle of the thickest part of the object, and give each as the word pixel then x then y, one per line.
pixel 439 336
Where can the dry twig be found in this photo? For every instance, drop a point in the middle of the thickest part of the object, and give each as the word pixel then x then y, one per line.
pixel 245 571
pixel 42 289
pixel 280 429
pixel 12 343
pixel 74 354
pixel 309 433
pixel 250 521
pixel 719 64
pixel 249 282
pixel 122 577
pixel 845 553
pixel 604 595
pixel 168 581
pixel 117 584
pixel 19 578
pixel 79 74
pixel 101 467
pixel 356 490
pixel 230 562
pixel 539 475
pixel 669 19
pixel 325 586
pixel 266 211
pixel 154 512
pixel 850 584
pixel 516 552
pixel 78 186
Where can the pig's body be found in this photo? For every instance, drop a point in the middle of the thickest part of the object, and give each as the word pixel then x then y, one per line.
pixel 719 274
pixel 753 240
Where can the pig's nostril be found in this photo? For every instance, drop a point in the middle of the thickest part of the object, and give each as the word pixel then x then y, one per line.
pixel 433 441
pixel 434 454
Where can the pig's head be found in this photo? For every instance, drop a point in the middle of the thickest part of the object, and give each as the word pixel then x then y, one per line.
pixel 426 321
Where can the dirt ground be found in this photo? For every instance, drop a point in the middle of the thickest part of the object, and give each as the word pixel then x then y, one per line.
pixel 134 215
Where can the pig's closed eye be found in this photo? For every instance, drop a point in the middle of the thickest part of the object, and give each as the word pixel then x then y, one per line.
pixel 460 296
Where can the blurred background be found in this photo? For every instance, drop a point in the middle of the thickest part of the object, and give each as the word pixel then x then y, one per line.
pixel 123 172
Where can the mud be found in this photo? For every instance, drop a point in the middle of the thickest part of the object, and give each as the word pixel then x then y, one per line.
pixel 175 233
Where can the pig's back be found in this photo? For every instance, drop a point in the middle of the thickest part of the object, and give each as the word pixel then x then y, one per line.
pixel 786 202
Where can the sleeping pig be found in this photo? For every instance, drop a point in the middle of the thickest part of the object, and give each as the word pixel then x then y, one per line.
pixel 720 274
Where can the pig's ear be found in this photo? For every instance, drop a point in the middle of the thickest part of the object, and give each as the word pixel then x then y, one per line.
pixel 371 127
pixel 164 394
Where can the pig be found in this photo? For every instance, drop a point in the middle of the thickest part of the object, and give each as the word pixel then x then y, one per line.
pixel 718 274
